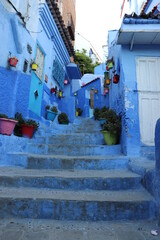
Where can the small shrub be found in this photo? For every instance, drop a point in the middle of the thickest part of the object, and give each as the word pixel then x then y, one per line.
pixel 96 113
pixel 47 107
pixel 54 109
pixel 3 116
pixel 63 118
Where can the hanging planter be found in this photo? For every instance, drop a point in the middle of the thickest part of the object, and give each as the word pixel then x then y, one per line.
pixel 66 82
pixel 106 90
pixel 34 66
pixel 108 81
pixel 60 93
pixel 110 64
pixel 13 61
pixel 107 68
pixel 115 78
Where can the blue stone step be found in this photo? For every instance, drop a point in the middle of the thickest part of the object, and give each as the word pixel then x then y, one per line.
pixel 79 162
pixel 70 180
pixel 39 161
pixel 74 150
pixel 76 139
pixel 76 205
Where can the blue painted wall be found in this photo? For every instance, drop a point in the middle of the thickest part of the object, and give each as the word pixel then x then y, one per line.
pixel 82 98
pixel 14 96
pixel 17 93
pixel 123 97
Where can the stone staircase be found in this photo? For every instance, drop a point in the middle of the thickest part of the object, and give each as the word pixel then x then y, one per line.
pixel 67 173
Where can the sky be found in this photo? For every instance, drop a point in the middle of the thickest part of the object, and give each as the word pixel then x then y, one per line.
pixel 93 20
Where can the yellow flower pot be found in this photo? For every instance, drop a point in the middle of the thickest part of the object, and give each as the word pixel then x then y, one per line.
pixel 34 66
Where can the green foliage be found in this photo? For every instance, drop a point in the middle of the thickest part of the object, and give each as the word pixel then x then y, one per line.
pixel 54 109
pixel 100 113
pixel 31 122
pixel 47 107
pixel 28 122
pixel 113 123
pixel 85 62
pixel 19 118
pixel 3 116
pixel 96 113
pixel 63 118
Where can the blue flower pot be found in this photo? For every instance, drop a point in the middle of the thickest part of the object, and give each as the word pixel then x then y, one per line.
pixel 51 115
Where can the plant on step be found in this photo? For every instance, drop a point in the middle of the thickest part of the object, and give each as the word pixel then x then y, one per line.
pixel 79 111
pixel 96 113
pixel 112 128
pixel 48 107
pixel 63 118
pixel 18 127
pixel 54 109
pixel 29 127
pixel 51 113
pixel 7 124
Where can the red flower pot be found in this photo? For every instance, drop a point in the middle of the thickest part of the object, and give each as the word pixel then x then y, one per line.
pixel 27 131
pixel 7 126
pixel 13 61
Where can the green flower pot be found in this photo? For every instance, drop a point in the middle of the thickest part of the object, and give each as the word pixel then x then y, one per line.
pixel 110 138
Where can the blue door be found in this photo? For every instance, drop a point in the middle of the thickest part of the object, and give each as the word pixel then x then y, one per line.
pixel 36 89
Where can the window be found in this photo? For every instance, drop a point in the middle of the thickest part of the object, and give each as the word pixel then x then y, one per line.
pixel 58 73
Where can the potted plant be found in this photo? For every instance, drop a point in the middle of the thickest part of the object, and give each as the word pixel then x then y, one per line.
pixel 103 115
pixel 18 127
pixel 116 79
pixel 96 113
pixel 13 61
pixel 28 128
pixel 51 112
pixel 112 128
pixel 79 112
pixel 63 118
pixel 34 66
pixel 7 125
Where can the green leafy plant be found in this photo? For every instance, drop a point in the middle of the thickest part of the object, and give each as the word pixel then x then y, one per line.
pixel 63 118
pixel 3 116
pixel 96 113
pixel 18 127
pixel 54 109
pixel 48 107
pixel 31 122
pixel 113 124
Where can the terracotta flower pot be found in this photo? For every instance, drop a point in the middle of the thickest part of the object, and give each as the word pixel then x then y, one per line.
pixel 7 126
pixel 27 131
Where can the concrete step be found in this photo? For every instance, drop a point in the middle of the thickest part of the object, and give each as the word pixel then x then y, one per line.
pixel 77 139
pixel 141 165
pixel 40 161
pixel 74 150
pixel 76 205
pixel 70 179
